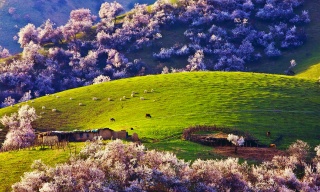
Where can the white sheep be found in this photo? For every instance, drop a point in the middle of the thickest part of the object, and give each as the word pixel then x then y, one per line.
pixel 124 97
pixel 54 110
pixel 133 92
pixel 109 99
pixel 43 107
pixel 141 98
pixel 145 91
pixel 94 98
pixel 132 95
pixel 57 97
pixel 152 90
pixel 32 101
pixel 71 98
pixel 80 104
pixel 120 99
pixel 41 113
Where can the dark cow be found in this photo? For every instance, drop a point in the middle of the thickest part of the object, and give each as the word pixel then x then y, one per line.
pixel 148 115
pixel 112 119
pixel 268 134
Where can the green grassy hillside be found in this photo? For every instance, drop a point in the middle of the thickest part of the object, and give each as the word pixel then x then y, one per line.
pixel 15 163
pixel 255 103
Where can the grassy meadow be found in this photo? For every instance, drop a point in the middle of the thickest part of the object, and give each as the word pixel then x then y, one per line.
pixel 255 103
pixel 15 163
pixel 251 102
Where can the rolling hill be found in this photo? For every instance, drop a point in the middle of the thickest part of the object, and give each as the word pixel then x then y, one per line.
pixel 254 103
pixel 288 107
pixel 15 14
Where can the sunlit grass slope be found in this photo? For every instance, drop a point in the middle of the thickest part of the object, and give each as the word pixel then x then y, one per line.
pixel 288 107
pixel 15 163
pixel 311 72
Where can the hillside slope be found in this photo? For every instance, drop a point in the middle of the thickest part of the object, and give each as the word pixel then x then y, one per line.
pixel 15 14
pixel 255 103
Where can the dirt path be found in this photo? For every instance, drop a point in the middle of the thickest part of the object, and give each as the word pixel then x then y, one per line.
pixel 249 153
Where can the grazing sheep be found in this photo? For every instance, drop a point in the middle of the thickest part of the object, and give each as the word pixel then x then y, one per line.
pixel 132 94
pixel 124 97
pixel 94 98
pixel 32 101
pixel 57 97
pixel 71 98
pixel 272 145
pixel 43 107
pixel 11 105
pixel 120 99
pixel 80 104
pixel 41 113
pixel 141 98
pixel 112 119
pixel 148 115
pixel 109 99
pixel 145 91
pixel 54 110
pixel 152 91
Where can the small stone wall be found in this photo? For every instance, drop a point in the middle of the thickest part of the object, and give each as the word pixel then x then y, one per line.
pixel 75 136
pixel 189 134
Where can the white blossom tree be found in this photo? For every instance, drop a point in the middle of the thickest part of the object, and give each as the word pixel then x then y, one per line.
pixel 27 34
pixel 236 140
pixel 20 134
pixel 101 79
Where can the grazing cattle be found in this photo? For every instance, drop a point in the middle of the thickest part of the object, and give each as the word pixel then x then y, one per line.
pixel 272 145
pixel 112 119
pixel 131 128
pixel 268 134
pixel 148 115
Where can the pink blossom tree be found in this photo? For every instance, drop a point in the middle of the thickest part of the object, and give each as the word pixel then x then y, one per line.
pixel 236 140
pixel 21 133
pixel 27 34
pixel 4 52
